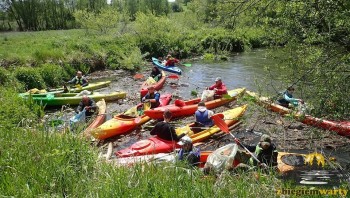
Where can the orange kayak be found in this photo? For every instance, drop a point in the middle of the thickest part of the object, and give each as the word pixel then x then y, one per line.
pixel 121 124
pixel 157 86
pixel 342 128
pixel 189 107
pixel 100 118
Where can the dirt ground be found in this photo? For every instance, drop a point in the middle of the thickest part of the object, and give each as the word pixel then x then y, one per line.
pixel 289 135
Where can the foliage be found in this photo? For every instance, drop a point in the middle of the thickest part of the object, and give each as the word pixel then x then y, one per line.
pixel 16 111
pixel 30 77
pixel 48 15
pixel 102 22
pixel 53 75
pixel 7 79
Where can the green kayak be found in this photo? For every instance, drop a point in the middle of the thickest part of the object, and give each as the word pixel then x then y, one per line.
pixel 90 87
pixel 59 99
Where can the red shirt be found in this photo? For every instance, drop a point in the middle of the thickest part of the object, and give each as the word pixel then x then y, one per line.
pixel 221 89
pixel 171 62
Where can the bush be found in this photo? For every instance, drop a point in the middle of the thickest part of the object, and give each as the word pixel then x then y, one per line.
pixel 7 79
pixel 30 77
pixel 53 75
pixel 16 110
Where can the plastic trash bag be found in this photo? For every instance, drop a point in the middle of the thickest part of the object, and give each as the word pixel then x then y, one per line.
pixel 222 158
pixel 80 117
pixel 207 95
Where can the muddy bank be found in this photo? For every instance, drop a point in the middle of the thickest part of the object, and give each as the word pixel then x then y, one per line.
pixel 289 135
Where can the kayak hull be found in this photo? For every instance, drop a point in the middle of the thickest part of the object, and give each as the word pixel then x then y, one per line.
pixel 100 118
pixel 157 86
pixel 156 145
pixel 191 106
pixel 121 124
pixel 172 69
pixel 230 116
pixel 90 87
pixel 342 128
pixel 75 100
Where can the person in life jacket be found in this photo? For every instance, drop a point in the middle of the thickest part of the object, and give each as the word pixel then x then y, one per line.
pixel 265 151
pixel 219 87
pixel 152 96
pixel 203 116
pixel 188 152
pixel 287 99
pixel 170 61
pixel 79 79
pixel 156 74
pixel 88 104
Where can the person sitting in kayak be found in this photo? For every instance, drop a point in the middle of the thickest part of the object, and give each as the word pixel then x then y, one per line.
pixel 287 99
pixel 265 151
pixel 188 152
pixel 152 96
pixel 170 61
pixel 219 87
pixel 164 130
pixel 156 74
pixel 79 79
pixel 202 117
pixel 88 104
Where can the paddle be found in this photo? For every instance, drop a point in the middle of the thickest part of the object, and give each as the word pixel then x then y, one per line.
pixel 245 148
pixel 187 64
pixel 218 121
pixel 138 76
pixel 173 76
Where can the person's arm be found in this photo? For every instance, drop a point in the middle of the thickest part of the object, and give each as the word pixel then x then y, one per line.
pixel 93 105
pixel 73 81
pixel 290 99
pixel 176 60
pixel 144 98
pixel 85 82
pixel 250 148
pixel 174 135
pixel 210 113
pixel 167 63
pixel 212 87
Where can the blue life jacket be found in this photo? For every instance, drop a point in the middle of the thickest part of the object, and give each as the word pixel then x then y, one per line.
pixel 202 117
pixel 283 101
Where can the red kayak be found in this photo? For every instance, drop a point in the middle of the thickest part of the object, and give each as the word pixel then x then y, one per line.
pixel 342 128
pixel 188 108
pixel 121 124
pixel 152 145
pixel 156 145
pixel 157 86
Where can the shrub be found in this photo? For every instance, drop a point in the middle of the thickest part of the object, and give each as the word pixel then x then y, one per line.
pixel 7 79
pixel 53 75
pixel 30 77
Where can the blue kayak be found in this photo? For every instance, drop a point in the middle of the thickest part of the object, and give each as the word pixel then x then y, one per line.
pixel 172 69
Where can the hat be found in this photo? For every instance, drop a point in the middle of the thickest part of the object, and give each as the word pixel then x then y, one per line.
pixel 218 79
pixel 185 140
pixel 265 140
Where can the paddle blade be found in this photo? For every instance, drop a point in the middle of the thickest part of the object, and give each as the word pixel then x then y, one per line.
pixel 173 76
pixel 138 76
pixel 218 121
pixel 187 64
